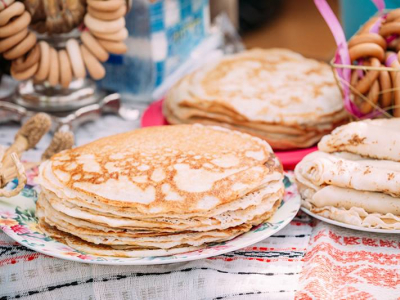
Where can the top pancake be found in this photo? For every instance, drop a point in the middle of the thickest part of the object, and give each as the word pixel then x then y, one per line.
pixel 179 169
pixel 272 86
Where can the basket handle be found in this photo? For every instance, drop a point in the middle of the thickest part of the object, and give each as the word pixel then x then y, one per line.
pixel 342 53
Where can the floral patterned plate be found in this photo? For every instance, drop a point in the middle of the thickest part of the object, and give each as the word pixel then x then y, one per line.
pixel 17 219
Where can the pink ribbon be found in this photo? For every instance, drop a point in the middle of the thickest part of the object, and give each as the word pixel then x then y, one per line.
pixel 377 25
pixel 390 59
pixel 391 38
pixel 380 4
pixel 342 55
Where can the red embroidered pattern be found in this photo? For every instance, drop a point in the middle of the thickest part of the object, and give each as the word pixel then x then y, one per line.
pixel 18 259
pixel 342 266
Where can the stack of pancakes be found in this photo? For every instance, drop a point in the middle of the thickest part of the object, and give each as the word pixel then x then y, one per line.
pixel 277 95
pixel 355 177
pixel 159 191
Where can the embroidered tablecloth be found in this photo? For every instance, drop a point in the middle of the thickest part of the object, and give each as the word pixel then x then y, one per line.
pixel 305 260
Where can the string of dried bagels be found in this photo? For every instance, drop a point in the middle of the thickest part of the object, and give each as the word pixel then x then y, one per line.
pixel 32 59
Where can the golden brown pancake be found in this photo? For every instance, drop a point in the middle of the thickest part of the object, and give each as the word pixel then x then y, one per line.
pixel 160 188
pixel 274 94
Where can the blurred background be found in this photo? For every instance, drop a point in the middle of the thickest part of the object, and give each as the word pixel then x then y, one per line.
pixel 293 24
pixel 169 38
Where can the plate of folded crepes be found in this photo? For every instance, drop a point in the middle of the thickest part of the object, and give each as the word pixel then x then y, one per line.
pixel 354 179
pixel 153 196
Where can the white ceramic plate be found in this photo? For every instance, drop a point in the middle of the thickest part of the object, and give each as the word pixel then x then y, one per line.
pixel 354 227
pixel 17 219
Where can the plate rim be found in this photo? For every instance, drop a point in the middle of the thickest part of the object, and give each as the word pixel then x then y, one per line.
pixel 140 262
pixel 348 226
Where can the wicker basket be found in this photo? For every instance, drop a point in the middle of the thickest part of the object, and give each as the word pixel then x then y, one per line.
pixel 377 110
pixel 364 101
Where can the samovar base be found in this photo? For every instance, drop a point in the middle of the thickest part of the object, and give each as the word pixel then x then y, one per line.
pixel 43 97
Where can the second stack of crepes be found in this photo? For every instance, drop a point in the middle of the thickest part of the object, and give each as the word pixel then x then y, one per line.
pixel 276 94
pixel 355 177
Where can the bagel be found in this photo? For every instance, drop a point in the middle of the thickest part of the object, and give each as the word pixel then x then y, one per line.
pixel 44 64
pixel 94 67
pixel 385 83
pixel 104 26
pixel 94 46
pixel 23 63
pixel 116 37
pixel 389 29
pixel 366 106
pixel 392 61
pixel 368 38
pixel 75 57
pixel 16 25
pixel 8 43
pixel 26 74
pixel 107 15
pixel 54 74
pixel 22 48
pixel 14 10
pixel 113 47
pixel 65 69
pixel 370 77
pixel 366 50
pixel 110 5
pixel 393 15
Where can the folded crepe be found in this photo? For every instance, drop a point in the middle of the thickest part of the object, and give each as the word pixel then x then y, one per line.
pixel 371 138
pixel 274 94
pixel 159 191
pixel 360 184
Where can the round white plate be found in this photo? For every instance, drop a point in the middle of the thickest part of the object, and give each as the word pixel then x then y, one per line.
pixel 354 227
pixel 17 219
